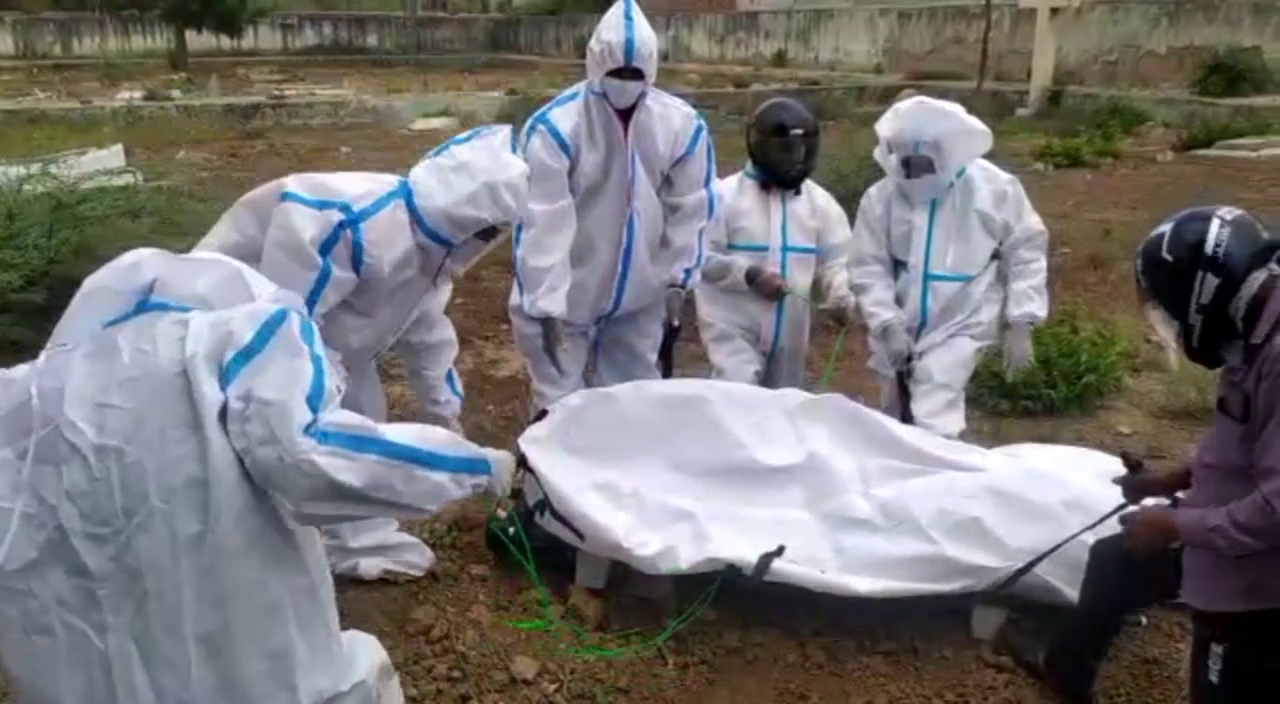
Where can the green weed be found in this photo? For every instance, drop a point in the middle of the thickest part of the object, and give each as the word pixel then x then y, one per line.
pixel 1078 364
pixel 51 238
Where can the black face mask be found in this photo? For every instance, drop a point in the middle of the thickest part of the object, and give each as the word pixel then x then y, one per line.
pixel 487 234
pixel 916 165
pixel 782 141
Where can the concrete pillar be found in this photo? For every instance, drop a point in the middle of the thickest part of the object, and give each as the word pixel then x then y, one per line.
pixel 1044 50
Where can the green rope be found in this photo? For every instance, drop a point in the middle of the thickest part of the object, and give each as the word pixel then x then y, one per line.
pixel 552 622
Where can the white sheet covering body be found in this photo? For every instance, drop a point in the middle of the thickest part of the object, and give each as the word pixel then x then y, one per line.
pixel 690 475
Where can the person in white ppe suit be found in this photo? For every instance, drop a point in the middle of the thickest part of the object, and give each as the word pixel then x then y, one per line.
pixel 946 245
pixel 622 178
pixel 373 256
pixel 166 459
pixel 782 241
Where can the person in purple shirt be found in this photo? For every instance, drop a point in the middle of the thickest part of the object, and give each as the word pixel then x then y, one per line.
pixel 1208 279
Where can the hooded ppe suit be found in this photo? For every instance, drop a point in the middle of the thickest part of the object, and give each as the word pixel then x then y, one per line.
pixel 804 237
pixel 372 255
pixel 941 256
pixel 166 458
pixel 617 211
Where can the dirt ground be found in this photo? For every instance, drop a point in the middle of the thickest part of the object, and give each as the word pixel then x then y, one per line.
pixel 454 634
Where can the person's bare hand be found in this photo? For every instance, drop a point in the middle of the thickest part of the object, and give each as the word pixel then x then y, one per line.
pixel 768 285
pixel 1137 486
pixel 1149 530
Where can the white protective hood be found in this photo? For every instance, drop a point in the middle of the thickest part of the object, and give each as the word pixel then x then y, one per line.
pixel 468 183
pixel 623 37
pixel 940 129
pixel 692 475
pixel 147 279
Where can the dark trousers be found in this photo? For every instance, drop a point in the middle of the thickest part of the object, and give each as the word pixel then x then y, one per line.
pixel 1234 657
pixel 1117 583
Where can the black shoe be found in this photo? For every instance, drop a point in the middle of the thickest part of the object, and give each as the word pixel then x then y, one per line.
pixel 1029 652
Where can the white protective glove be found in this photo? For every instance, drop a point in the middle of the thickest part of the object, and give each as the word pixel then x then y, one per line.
pixel 674 301
pixel 843 312
pixel 503 464
pixel 717 269
pixel 897 345
pixel 1018 352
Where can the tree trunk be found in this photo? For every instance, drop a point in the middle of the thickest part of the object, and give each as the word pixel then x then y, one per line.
pixel 986 44
pixel 179 58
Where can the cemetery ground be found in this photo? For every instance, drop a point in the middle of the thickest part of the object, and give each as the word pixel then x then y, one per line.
pixel 454 634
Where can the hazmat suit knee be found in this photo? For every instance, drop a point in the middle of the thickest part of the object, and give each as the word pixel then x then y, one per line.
pixel 945 245
pixel 373 256
pixel 177 443
pixel 622 176
pixel 780 244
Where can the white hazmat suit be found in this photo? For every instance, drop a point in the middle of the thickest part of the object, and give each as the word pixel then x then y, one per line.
pixel 617 212
pixel 937 259
pixel 165 460
pixel 373 255
pixel 805 238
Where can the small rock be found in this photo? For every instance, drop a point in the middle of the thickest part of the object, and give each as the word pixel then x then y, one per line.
pixel 1124 430
pixel 344 149
pixel 421 620
pixel 478 571
pixel 1165 156
pixel 588 607
pixel 438 633
pixel 524 669
pixel 499 678
pixel 427 124
pixel 479 612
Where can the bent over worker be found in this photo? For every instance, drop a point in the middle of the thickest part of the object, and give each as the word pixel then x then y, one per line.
pixel 373 256
pixel 621 191
pixel 781 241
pixel 945 246
pixel 166 460
pixel 1210 285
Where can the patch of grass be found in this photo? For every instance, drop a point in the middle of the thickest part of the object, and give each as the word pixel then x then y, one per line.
pixel 1079 363
pixel 51 238
pixel 846 169
pixel 1234 72
pixel 1206 133
pixel 1189 392
pixel 1095 138
pixel 1086 150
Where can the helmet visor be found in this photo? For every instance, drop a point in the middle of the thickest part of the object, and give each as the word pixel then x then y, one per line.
pixel 1167 331
pixel 785 151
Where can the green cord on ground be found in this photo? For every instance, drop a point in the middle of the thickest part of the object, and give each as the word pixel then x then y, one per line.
pixel 552 622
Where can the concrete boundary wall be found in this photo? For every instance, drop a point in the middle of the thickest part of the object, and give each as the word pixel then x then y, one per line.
pixel 1116 43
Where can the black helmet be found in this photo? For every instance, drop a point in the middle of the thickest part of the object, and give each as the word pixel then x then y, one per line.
pixel 1191 268
pixel 782 141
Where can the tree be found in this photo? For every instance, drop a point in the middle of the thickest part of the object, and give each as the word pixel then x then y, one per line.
pixel 985 57
pixel 228 18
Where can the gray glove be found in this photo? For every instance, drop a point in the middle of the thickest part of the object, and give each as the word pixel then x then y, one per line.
pixel 552 337
pixel 768 285
pixel 675 304
pixel 897 345
pixel 1018 352
pixel 717 269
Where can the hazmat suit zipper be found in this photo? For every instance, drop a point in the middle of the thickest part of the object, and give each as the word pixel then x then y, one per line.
pixel 779 308
pixel 626 251
pixel 926 277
